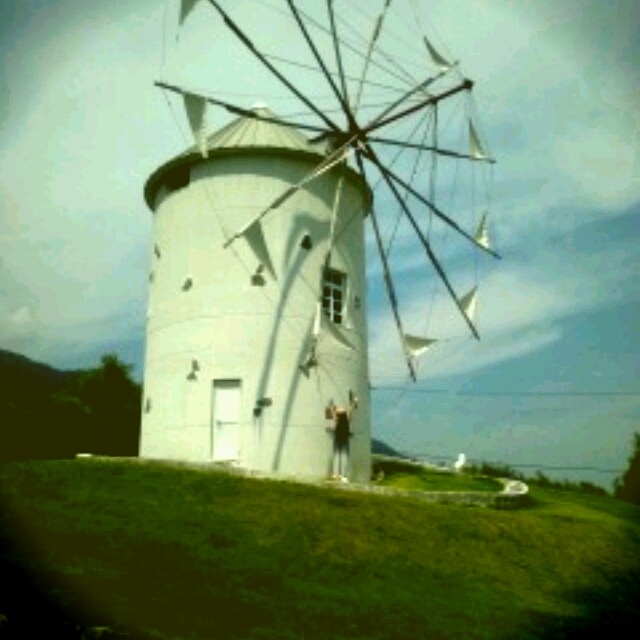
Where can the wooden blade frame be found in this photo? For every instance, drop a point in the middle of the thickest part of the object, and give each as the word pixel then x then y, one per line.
pixel 391 294
pixel 370 155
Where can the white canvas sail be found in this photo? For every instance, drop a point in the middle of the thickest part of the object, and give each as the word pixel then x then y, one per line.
pixel 194 106
pixel 317 321
pixel 481 236
pixel 185 9
pixel 417 345
pixel 468 303
pixel 437 59
pixel 255 238
pixel 475 148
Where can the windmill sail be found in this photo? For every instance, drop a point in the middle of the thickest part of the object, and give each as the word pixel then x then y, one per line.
pixel 416 345
pixel 481 236
pixel 317 321
pixel 185 9
pixel 468 303
pixel 194 106
pixel 437 59
pixel 254 236
pixel 475 148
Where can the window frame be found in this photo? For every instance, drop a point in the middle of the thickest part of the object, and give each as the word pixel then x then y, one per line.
pixel 336 309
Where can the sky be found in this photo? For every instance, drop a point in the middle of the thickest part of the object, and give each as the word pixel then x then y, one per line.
pixel 553 380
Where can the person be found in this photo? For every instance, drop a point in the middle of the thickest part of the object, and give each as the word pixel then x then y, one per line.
pixel 341 427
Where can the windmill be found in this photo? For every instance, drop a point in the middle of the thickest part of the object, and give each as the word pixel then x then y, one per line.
pixel 290 196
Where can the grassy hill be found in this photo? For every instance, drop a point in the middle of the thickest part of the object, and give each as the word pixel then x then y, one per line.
pixel 178 553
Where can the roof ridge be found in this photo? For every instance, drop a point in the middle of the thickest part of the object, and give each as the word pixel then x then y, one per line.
pixel 249 132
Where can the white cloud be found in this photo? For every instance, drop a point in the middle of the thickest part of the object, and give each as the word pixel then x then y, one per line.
pixel 77 149
pixel 604 166
pixel 518 312
pixel 21 316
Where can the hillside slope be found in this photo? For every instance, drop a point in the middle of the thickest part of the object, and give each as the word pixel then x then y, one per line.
pixel 179 553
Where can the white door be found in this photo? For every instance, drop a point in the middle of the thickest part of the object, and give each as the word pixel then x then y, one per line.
pixel 225 428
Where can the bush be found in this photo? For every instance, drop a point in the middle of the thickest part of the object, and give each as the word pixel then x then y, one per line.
pixel 389 467
pixel 627 487
pixel 493 470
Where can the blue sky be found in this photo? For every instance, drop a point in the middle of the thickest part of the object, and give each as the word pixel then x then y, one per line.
pixel 557 97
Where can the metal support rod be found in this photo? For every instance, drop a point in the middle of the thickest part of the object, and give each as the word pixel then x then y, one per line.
pixel 438 150
pixel 327 163
pixel 370 155
pixel 377 124
pixel 420 87
pixel 245 40
pixel 343 103
pixel 393 301
pixel 372 42
pixel 443 216
pixel 336 47
pixel 240 111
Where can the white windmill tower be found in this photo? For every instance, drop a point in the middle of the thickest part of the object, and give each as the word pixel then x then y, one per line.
pixel 240 362
pixel 257 302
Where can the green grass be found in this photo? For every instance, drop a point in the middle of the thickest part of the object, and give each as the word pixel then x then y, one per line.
pixel 415 478
pixel 181 553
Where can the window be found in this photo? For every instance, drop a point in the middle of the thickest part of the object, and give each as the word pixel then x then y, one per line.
pixel 333 294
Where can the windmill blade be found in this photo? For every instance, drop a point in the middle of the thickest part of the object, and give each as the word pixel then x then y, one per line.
pixel 417 345
pixel 468 303
pixel 317 320
pixel 343 103
pixel 334 218
pixel 396 103
pixel 336 48
pixel 438 150
pixel 370 155
pixel 254 236
pixel 481 236
pixel 443 216
pixel 391 294
pixel 327 163
pixel 245 40
pixel 354 50
pixel 437 59
pixel 194 106
pixel 475 148
pixel 186 7
pixel 374 38
pixel 465 85
pixel 240 111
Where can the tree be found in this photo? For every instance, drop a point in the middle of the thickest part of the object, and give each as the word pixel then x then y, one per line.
pixel 627 488
pixel 111 401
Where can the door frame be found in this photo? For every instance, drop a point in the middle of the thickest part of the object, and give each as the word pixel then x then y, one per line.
pixel 212 407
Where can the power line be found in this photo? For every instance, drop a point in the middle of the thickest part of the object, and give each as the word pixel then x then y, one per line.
pixel 509 393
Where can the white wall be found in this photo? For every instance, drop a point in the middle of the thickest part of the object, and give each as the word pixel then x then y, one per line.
pixel 256 334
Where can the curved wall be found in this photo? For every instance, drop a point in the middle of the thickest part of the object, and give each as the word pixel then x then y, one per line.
pixel 257 334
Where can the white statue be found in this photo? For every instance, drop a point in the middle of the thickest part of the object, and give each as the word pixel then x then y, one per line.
pixel 460 462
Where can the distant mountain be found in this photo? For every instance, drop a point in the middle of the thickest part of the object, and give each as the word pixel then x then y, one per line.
pixel 49 413
pixel 380 448
pixel 19 372
pixel 29 415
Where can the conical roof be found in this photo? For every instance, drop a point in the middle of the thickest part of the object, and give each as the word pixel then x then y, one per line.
pixel 243 134
pixel 250 132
